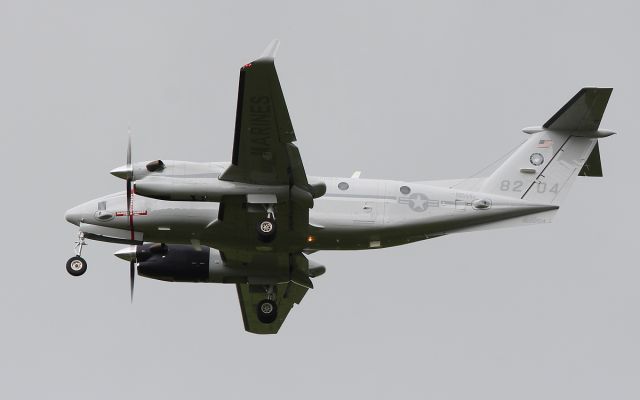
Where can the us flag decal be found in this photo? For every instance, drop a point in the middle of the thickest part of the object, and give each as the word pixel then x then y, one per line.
pixel 544 143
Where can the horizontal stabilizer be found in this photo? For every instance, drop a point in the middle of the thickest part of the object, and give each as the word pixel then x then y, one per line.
pixel 582 113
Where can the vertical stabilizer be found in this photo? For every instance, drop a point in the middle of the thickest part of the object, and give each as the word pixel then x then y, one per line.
pixel 543 168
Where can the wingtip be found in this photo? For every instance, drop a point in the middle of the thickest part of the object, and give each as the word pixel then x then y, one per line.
pixel 270 51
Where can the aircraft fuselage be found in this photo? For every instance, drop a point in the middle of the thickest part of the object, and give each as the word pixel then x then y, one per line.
pixel 353 214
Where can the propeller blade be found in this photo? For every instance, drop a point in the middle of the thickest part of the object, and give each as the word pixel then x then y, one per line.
pixel 129 153
pixel 129 176
pixel 132 272
pixel 125 171
pixel 129 190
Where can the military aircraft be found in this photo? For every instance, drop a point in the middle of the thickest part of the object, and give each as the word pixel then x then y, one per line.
pixel 253 221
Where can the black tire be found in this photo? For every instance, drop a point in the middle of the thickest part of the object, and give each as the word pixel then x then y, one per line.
pixel 76 266
pixel 266 229
pixel 267 311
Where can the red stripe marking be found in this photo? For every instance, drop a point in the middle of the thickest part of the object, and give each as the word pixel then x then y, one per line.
pixel 125 214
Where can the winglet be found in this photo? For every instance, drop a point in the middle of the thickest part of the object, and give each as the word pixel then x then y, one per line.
pixel 270 51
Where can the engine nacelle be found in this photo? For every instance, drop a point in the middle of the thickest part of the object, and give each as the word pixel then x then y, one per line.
pixel 214 189
pixel 184 263
pixel 175 263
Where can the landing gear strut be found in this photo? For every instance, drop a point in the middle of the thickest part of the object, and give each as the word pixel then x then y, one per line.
pixel 267 226
pixel 77 265
pixel 267 309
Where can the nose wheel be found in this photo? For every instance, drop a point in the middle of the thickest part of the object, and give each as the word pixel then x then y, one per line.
pixel 77 265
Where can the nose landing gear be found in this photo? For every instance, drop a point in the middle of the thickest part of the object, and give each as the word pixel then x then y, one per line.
pixel 77 265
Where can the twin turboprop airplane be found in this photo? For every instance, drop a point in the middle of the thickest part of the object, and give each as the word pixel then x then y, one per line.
pixel 251 222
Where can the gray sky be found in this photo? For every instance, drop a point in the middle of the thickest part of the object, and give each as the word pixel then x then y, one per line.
pixel 414 90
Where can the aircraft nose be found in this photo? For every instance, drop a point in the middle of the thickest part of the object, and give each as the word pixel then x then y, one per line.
pixel 74 215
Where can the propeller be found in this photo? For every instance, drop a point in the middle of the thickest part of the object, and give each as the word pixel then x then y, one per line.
pixel 126 172
pixel 129 169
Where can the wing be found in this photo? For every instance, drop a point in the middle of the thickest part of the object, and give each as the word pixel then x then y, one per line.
pixel 285 296
pixel 263 149
pixel 280 277
pixel 264 155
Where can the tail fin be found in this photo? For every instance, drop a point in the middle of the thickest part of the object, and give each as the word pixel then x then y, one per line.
pixel 543 168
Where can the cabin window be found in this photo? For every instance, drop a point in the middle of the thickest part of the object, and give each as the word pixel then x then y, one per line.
pixel 343 186
pixel 405 189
